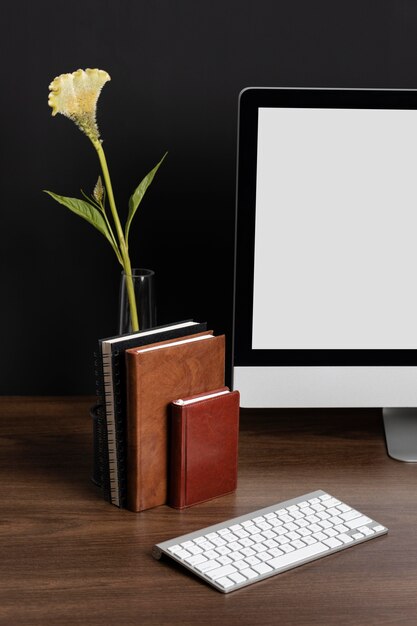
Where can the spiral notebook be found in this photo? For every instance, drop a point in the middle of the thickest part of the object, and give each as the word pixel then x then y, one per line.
pixel 111 392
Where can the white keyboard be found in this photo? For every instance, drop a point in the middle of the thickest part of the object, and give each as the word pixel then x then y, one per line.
pixel 246 549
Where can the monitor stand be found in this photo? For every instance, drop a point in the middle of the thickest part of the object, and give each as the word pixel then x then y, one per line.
pixel 401 433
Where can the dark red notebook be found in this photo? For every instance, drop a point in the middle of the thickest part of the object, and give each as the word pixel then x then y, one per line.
pixel 204 433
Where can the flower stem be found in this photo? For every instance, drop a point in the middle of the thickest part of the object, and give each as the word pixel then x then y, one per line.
pixel 122 243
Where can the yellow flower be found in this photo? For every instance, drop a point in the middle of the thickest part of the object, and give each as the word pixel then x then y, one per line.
pixel 75 96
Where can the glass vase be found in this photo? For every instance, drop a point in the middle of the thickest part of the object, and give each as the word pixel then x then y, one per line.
pixel 144 288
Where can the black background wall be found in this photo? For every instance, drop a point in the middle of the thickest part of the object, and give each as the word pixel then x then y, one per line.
pixel 177 67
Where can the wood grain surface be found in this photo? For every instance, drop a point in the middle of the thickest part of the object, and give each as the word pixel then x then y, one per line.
pixel 68 557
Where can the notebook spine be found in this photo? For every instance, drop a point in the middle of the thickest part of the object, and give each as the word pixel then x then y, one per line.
pixel 103 456
pixel 120 426
pixel 99 378
pixel 109 405
pixel 101 450
pixel 177 459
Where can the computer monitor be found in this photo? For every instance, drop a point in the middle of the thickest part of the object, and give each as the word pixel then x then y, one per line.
pixel 325 307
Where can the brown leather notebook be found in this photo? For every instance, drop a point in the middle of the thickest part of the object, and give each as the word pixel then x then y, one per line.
pixel 203 447
pixel 156 375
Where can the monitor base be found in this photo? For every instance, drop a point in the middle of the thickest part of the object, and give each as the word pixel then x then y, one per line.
pixel 401 433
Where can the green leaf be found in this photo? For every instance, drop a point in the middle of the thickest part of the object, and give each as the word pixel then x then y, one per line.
pixel 136 198
pixel 88 212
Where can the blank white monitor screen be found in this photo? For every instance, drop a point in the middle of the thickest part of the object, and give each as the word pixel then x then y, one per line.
pixel 335 231
pixel 326 255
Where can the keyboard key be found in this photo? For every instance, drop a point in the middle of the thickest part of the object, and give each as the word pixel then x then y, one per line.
pixel 298 555
pixel 358 521
pixel 205 567
pixel 349 515
pixel 195 560
pixel 297 515
pixel 315 528
pixel 237 578
pixel 277 551
pixel 324 524
pixel 225 582
pixel 341 528
pixel 333 511
pixel 241 533
pixel 318 507
pixel 261 547
pixel 182 554
pixel 332 542
pixel 323 515
pixel 344 508
pixel 218 541
pixel 211 554
pixel 309 540
pixel 302 523
pixel 249 573
pixel 332 502
pixel 358 536
pixel 219 572
pixel 319 536
pixel 293 535
pixel 268 534
pixel 246 542
pixel 223 550
pixel 262 568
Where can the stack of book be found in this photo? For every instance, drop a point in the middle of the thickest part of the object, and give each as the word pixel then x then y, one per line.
pixel 139 375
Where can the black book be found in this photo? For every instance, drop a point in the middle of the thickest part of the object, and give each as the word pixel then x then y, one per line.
pixel 111 391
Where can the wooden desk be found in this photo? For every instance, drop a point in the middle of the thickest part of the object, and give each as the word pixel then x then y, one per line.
pixel 67 557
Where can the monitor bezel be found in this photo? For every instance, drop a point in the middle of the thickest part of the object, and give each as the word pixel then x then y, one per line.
pixel 250 100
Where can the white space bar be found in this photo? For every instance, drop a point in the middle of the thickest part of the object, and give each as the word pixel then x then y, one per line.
pixel 298 555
